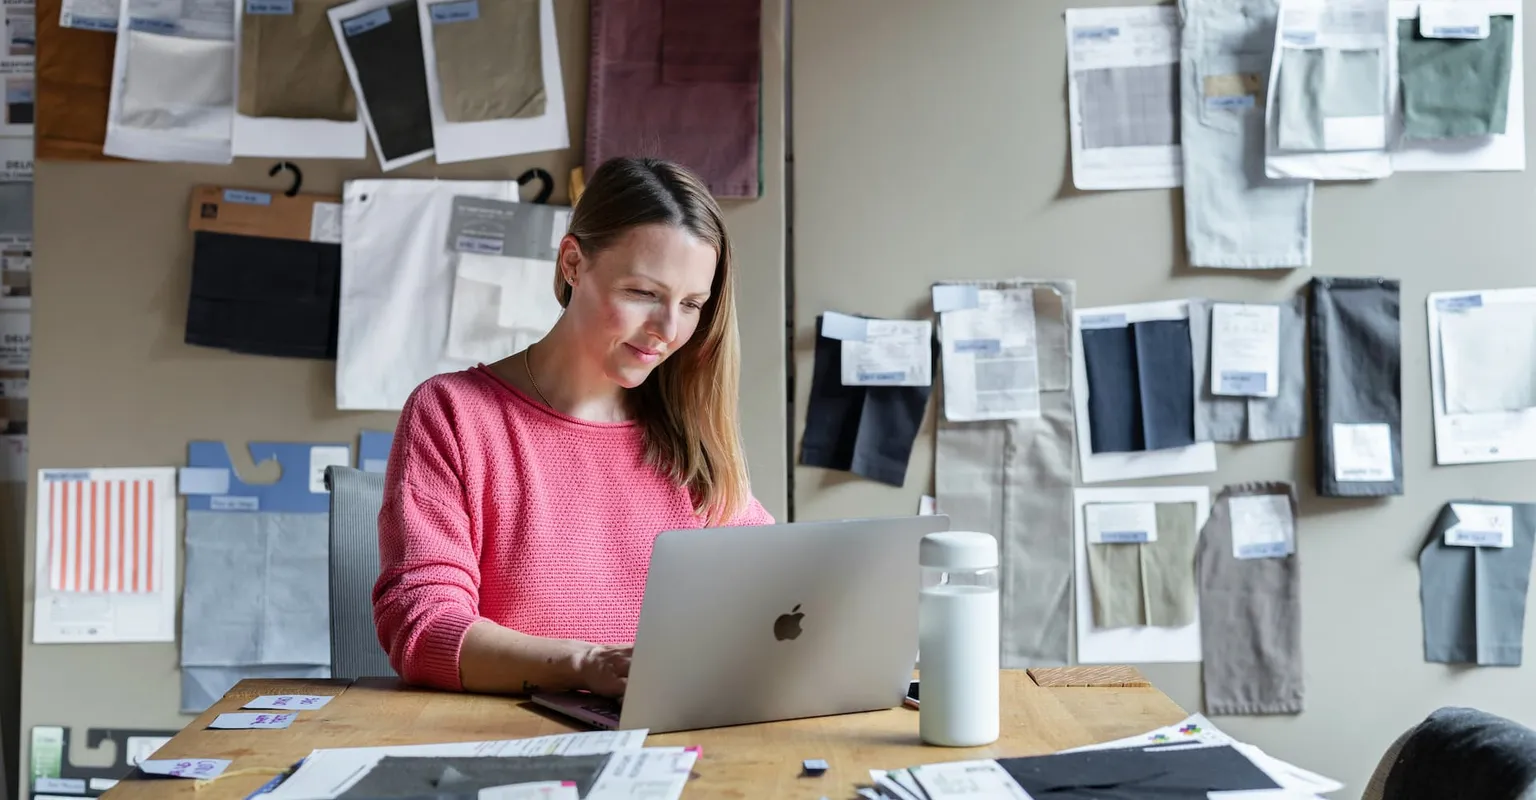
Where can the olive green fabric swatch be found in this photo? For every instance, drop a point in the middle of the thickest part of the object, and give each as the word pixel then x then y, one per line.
pixel 1455 88
pixel 1151 584
pixel 491 66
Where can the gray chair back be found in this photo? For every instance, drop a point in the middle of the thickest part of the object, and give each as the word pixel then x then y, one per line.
pixel 356 497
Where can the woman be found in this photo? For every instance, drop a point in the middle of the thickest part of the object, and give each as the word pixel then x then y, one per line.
pixel 522 498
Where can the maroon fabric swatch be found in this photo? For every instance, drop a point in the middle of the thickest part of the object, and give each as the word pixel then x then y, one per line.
pixel 711 41
pixel 710 128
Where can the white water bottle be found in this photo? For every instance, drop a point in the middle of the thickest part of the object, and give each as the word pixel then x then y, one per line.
pixel 958 652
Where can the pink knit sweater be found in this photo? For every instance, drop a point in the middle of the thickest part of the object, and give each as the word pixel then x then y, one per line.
pixel 497 507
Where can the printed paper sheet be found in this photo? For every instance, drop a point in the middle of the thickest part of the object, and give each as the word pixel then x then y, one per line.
pixel 990 357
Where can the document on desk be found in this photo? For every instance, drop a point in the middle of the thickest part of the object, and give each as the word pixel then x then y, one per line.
pixel 991 362
pixel 1123 97
pixel 1482 386
pixel 327 773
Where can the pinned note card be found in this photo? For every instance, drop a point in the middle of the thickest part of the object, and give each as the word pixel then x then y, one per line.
pixel 251 721
pixel 1262 526
pixel 892 352
pixel 1121 523
pixel 1245 349
pixel 1481 526
pixel 1362 452
pixel 288 702
pixel 200 768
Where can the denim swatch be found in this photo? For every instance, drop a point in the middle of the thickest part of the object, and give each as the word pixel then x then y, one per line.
pixel 1165 373
pixel 1473 598
pixel 1114 393
pixel 1356 375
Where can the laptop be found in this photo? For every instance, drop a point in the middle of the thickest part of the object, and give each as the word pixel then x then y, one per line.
pixel 752 624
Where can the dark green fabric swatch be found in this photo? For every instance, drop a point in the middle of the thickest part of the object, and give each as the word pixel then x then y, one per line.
pixel 1454 88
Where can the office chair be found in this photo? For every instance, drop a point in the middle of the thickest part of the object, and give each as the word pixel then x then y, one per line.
pixel 355 500
pixel 1458 752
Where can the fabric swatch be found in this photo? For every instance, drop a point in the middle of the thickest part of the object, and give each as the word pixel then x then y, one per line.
pixel 1015 477
pixel 264 296
pixel 712 129
pixel 707 41
pixel 445 778
pixel 1356 348
pixel 1325 83
pixel 1454 88
pixel 1114 393
pixel 1226 418
pixel 1151 583
pixel 1473 598
pixel 1129 106
pixel 172 80
pixel 290 67
pixel 74 84
pixel 1165 376
pixel 1114 578
pixel 500 306
pixel 1250 617
pixel 1185 773
pixel 866 430
pixel 490 67
pixel 392 74
pixel 1464 752
pixel 16 208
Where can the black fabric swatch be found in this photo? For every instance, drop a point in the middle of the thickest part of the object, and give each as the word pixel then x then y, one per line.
pixel 1136 773
pixel 450 778
pixel 1114 394
pixel 261 296
pixel 866 430
pixel 393 75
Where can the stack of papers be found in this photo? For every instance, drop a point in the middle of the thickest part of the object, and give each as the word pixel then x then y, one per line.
pixel 1190 759
pixel 631 769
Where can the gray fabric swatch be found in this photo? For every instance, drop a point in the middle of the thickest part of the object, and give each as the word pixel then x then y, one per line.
pixel 201 687
pixel 1129 106
pixel 1250 617
pixel 1455 87
pixel 16 208
pixel 1473 598
pixel 1148 584
pixel 1324 83
pixel 1356 344
pixel 1014 478
pixel 1222 418
pixel 256 589
pixel 1114 581
pixel 1464 752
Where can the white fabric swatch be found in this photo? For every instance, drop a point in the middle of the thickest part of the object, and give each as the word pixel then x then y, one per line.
pixel 1489 356
pixel 171 81
pixel 500 306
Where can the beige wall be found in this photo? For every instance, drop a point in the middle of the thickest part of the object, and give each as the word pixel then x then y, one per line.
pixel 930 142
pixel 113 384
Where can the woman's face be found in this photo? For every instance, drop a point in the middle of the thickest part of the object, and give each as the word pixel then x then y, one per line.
pixel 639 301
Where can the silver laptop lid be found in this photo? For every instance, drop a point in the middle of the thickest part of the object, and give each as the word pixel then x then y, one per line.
pixel 754 624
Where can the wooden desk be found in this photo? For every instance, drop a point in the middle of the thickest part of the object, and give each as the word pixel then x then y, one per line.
pixel 744 761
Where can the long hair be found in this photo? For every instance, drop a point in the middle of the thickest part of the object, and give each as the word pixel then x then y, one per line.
pixel 688 407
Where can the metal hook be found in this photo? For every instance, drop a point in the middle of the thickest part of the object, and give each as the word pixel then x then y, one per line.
pixel 298 176
pixel 542 175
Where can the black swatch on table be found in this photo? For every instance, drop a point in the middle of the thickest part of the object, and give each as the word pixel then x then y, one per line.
pixel 412 777
pixel 1136 773
pixel 393 75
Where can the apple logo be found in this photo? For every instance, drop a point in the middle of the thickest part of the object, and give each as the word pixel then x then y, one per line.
pixel 787 626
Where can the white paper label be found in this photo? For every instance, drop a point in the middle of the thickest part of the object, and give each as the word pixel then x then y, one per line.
pixel 251 721
pixel 1121 523
pixel 927 506
pixel 201 768
pixel 322 457
pixel 325 223
pixel 1262 526
pixel 538 790
pixel 1452 21
pixel 60 785
pixel 1481 526
pixel 1362 453
pixel 561 225
pixel 893 353
pixel 288 702
pixel 1245 350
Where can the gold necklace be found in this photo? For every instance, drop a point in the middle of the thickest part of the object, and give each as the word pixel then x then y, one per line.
pixel 528 368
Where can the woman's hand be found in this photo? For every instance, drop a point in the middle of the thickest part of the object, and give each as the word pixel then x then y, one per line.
pixel 604 669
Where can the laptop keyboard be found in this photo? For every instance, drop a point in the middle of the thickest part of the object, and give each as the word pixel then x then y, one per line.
pixel 603 710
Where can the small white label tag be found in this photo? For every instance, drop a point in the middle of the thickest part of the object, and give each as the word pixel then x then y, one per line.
pixel 1121 523
pixel 288 702
pixel 1262 526
pixel 1481 526
pixel 1452 21
pixel 251 721
pixel 1245 350
pixel 202 768
pixel 1362 453
pixel 322 457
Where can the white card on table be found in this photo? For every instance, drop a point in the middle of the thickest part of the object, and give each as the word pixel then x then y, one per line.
pixel 252 721
pixel 202 768
pixel 288 702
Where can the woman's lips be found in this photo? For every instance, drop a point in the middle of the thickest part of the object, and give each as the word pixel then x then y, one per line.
pixel 645 355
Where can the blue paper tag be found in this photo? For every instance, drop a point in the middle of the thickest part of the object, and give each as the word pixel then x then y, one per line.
pixel 881 377
pixel 1302 38
pixel 1123 537
pixel 247 198
pixel 980 346
pixel 954 297
pixel 366 22
pixel 462 11
pixel 482 245
pixel 234 503
pixel 276 7
pixel 148 25
pixel 1458 32
pixel 1093 322
pixel 66 476
pixel 1459 303
pixel 1100 33
pixel 18 94
pixel 93 24
pixel 1480 538
pixel 1265 550
pixel 1230 101
pixel 1244 382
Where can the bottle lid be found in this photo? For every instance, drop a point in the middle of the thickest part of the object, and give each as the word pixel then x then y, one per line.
pixel 955 550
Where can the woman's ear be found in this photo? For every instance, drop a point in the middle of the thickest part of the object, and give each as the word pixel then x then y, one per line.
pixel 569 262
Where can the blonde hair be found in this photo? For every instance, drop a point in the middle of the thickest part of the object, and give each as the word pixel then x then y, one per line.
pixel 688 408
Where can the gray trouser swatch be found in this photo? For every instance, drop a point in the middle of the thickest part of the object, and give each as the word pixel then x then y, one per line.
pixel 491 67
pixel 16 207
pixel 256 589
pixel 1152 583
pixel 1224 418
pixel 1234 216
pixel 1464 752
pixel 1356 373
pixel 290 66
pixel 201 687
pixel 1014 478
pixel 1473 598
pixel 1129 106
pixel 1250 617
pixel 1322 83
pixel 1455 87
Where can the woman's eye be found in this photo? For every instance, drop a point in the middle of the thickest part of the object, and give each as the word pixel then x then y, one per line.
pixel 641 293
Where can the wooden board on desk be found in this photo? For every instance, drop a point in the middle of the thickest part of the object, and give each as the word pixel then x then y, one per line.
pixel 743 761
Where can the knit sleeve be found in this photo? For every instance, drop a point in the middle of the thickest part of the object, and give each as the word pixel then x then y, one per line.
pixel 428 591
pixel 753 514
